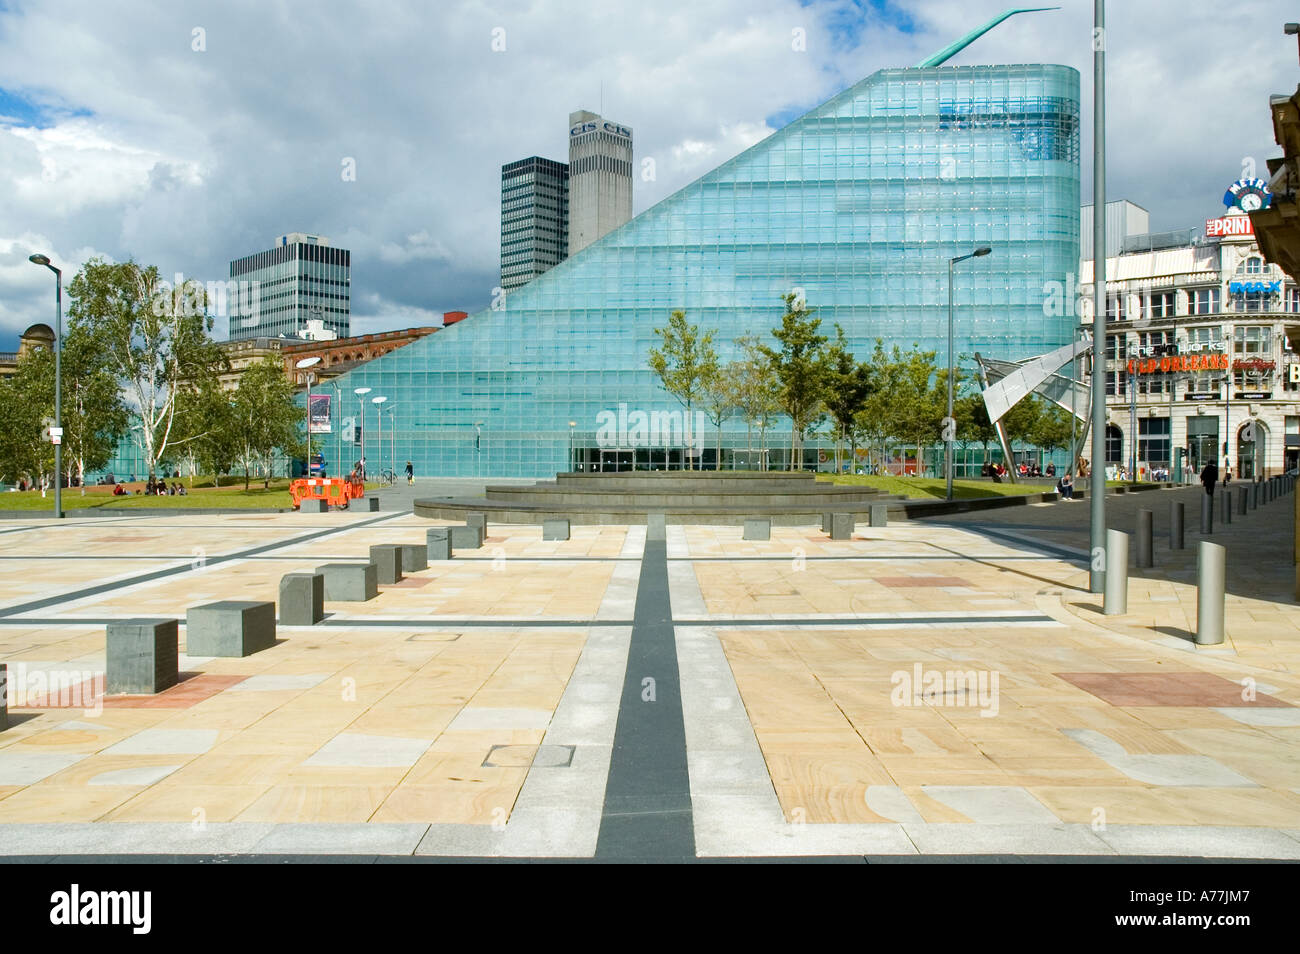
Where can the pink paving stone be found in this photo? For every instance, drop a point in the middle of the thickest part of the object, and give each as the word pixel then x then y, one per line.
pixel 1184 689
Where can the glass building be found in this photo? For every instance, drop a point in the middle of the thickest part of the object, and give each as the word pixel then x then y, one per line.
pixel 861 203
pixel 534 219
pixel 301 278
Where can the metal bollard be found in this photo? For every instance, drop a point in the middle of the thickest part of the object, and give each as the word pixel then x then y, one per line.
pixel 1225 506
pixel 1207 514
pixel 1175 525
pixel 1115 601
pixel 1241 501
pixel 1254 496
pixel 1209 593
pixel 1144 554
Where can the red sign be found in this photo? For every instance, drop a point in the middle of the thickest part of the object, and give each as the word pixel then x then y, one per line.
pixel 1179 362
pixel 1228 225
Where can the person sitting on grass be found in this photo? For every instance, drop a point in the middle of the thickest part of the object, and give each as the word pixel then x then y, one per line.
pixel 118 491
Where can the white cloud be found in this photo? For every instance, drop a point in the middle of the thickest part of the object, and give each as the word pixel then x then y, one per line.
pixel 184 159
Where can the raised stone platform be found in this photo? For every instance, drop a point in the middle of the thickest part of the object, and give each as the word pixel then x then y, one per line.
pixel 717 498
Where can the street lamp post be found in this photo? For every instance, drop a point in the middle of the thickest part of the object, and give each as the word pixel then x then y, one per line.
pixel 950 423
pixel 305 365
pixel 338 439
pixel 379 415
pixel 1097 485
pixel 392 436
pixel 361 403
pixel 56 433
pixel 573 466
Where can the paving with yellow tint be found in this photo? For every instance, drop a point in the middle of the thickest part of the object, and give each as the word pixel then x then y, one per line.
pixel 941 687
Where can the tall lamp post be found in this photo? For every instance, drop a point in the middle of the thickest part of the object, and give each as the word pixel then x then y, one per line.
pixel 379 414
pixel 1097 485
pixel 361 403
pixel 305 365
pixel 56 432
pixel 392 436
pixel 338 401
pixel 950 423
pixel 573 465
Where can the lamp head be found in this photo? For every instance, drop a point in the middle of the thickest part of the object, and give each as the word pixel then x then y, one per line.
pixel 308 362
pixel 39 259
pixel 378 400
pixel 361 391
pixel 1291 29
pixel 982 250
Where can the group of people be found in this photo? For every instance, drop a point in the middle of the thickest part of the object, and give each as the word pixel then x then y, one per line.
pixel 154 488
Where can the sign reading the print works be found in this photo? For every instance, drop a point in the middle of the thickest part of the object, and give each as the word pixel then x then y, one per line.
pixel 1243 197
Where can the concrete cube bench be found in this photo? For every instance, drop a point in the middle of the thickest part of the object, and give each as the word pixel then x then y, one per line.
pixel 142 656
pixel 302 599
pixel 387 557
pixel 316 506
pixel 415 556
pixel 229 628
pixel 826 521
pixel 557 529
pixel 842 526
pixel 438 543
pixel 466 538
pixel 350 582
pixel 879 515
pixel 758 528
pixel 477 520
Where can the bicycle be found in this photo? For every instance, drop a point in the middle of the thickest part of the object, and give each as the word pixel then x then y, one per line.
pixel 387 478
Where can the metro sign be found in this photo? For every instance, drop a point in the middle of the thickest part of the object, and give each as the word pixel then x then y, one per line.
pixel 1228 225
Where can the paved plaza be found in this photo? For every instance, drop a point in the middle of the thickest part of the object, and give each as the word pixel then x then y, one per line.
pixel 932 688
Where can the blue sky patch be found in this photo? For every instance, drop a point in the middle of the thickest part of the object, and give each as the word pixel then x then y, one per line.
pixel 20 110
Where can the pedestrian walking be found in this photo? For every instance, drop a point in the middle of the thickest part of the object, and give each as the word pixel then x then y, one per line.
pixel 1210 477
pixel 410 474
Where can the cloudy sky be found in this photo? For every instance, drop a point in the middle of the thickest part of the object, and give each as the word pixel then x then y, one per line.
pixel 185 134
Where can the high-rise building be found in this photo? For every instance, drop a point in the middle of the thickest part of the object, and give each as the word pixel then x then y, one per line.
pixel 858 206
pixel 600 178
pixel 301 278
pixel 534 219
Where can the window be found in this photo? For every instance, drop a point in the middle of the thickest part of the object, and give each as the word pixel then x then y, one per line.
pixel 1205 341
pixel 1203 301
pixel 1162 305
pixel 1153 441
pixel 1154 344
pixel 1252 266
pixel 1114 444
pixel 1252 346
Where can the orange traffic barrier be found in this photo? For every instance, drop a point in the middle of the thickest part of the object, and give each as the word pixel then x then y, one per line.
pixel 338 491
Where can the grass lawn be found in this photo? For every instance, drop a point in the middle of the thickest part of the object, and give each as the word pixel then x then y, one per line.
pixel 935 488
pixel 229 496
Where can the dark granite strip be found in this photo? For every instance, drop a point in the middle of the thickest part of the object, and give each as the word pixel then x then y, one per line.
pixel 647 813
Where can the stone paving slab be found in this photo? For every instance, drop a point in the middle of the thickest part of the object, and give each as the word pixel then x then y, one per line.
pixel 473 713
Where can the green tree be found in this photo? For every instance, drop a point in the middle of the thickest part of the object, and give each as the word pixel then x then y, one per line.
pixel 206 433
pixel 1052 430
pixel 28 399
pixel 265 417
pixel 917 399
pixel 1021 423
pixel 799 368
pixel 848 385
pixel 717 397
pixel 154 338
pixel 754 387
pixel 684 362
pixel 93 414
pixel 973 424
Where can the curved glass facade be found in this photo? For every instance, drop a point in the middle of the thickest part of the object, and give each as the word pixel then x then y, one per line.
pixel 860 203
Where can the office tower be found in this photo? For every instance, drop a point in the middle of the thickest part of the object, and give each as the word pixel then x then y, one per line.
pixel 600 178
pixel 302 277
pixel 534 219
